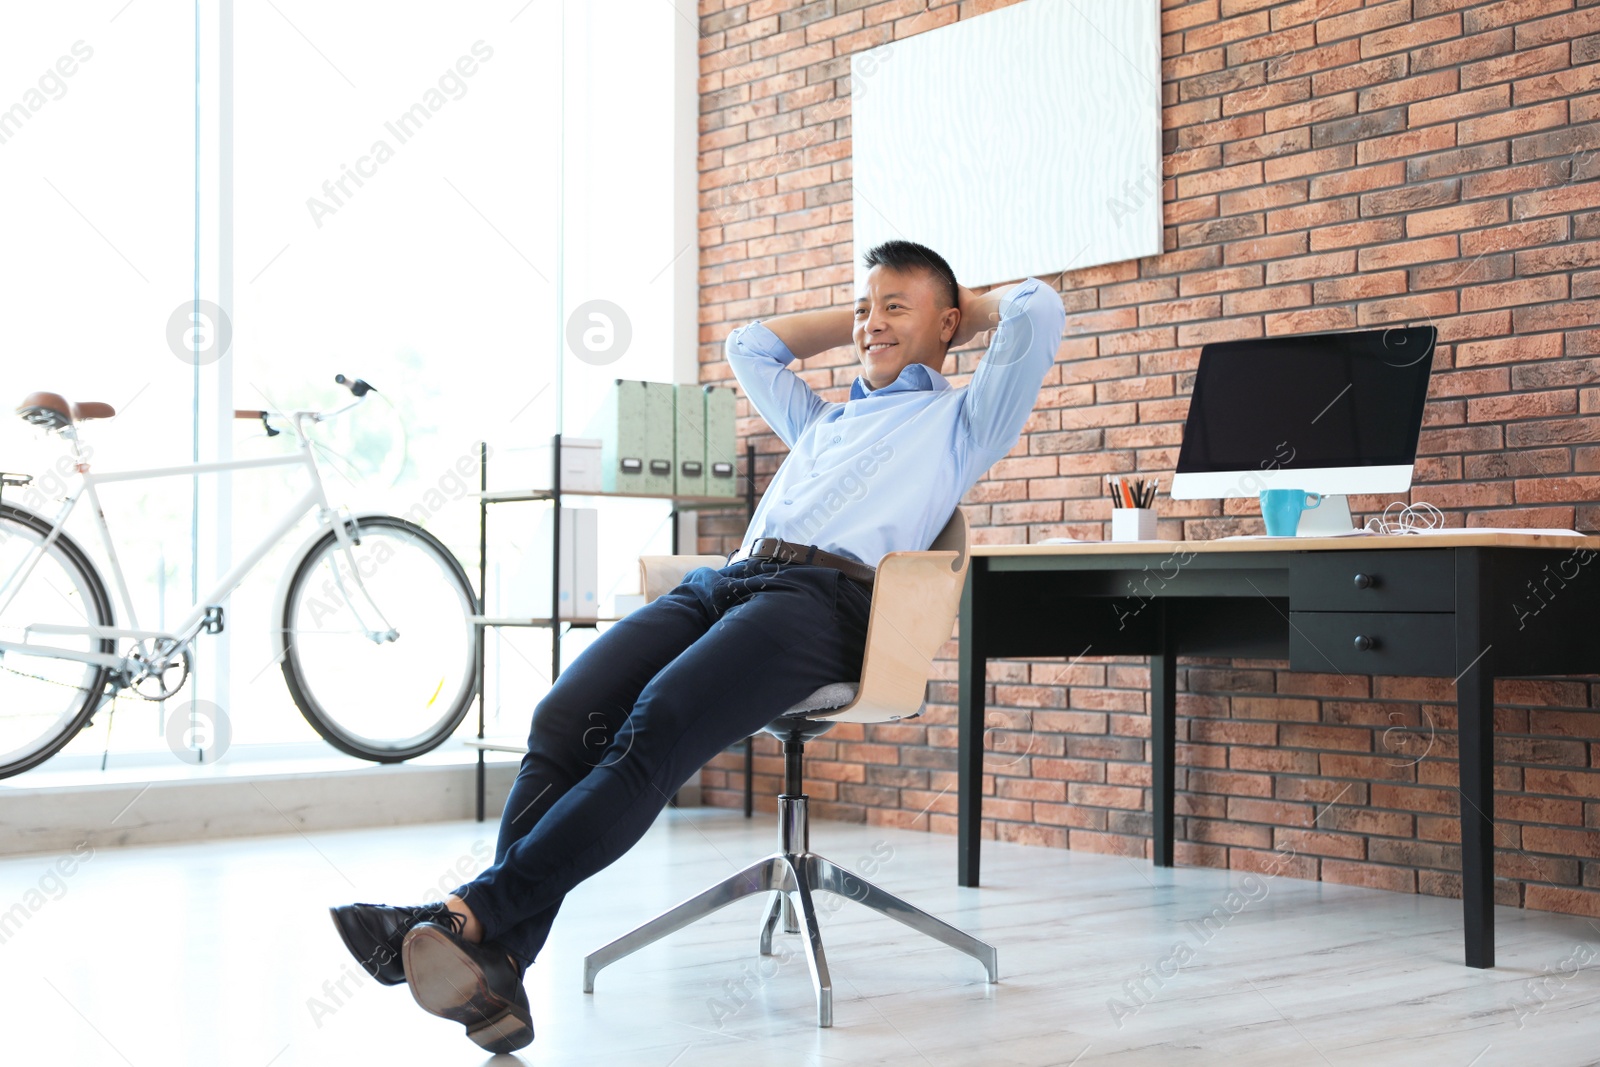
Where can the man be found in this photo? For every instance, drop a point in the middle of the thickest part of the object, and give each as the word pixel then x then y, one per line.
pixel 727 651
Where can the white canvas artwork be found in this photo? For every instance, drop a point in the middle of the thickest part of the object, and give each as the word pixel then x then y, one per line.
pixel 1024 141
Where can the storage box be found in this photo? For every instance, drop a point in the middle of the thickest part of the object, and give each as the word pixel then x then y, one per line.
pixel 529 467
pixel 722 445
pixel 634 425
pixel 689 441
pixel 660 458
pixel 580 465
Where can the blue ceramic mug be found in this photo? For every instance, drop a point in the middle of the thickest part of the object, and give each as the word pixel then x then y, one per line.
pixel 1281 509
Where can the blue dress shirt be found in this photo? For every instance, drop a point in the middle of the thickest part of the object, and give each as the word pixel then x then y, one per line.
pixel 883 471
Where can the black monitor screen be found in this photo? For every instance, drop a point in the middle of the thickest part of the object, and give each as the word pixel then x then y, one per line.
pixel 1321 400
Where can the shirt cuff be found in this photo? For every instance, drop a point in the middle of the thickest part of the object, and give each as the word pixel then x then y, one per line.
pixel 757 340
pixel 1017 297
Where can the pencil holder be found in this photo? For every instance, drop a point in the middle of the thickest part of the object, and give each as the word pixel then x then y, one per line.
pixel 1133 524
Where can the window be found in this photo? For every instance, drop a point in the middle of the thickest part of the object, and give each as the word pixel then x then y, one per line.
pixel 392 209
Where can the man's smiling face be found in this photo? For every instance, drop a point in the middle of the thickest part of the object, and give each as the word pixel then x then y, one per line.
pixel 901 319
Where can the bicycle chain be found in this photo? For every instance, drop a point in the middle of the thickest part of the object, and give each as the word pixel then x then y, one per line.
pixel 121 690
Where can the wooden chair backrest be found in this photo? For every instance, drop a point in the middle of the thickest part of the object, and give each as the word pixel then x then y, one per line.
pixel 915 599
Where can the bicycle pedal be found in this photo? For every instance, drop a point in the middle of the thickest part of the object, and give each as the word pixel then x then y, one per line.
pixel 213 619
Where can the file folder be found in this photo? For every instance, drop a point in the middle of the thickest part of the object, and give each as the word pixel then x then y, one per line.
pixel 722 463
pixel 689 460
pixel 659 449
pixel 623 426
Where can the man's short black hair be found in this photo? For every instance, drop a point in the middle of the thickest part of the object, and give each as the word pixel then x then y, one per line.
pixel 908 255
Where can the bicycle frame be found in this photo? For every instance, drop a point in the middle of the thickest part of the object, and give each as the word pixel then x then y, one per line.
pixel 314 499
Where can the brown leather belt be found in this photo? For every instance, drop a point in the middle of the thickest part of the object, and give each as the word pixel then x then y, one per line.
pixel 789 552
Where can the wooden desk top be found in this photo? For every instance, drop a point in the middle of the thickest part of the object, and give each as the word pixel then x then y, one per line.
pixel 1444 539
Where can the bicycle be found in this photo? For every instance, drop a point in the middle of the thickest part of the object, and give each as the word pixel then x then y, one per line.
pixel 384 683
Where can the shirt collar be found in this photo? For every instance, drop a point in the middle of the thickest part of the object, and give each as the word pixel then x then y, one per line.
pixel 913 377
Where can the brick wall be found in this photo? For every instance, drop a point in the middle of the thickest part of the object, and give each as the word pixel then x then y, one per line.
pixel 1329 165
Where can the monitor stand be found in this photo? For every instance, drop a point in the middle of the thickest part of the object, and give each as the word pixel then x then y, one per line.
pixel 1330 518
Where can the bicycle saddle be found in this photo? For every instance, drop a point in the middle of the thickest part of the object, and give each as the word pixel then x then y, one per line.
pixel 54 412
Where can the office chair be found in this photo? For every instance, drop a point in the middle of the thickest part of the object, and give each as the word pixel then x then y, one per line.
pixel 916 596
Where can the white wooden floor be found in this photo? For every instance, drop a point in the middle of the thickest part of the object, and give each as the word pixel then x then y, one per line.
pixel 222 953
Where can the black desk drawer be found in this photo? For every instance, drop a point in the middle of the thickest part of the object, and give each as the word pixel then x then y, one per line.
pixel 1372 642
pixel 1406 579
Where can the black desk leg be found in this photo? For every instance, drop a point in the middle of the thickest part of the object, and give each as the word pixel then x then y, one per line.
pixel 1475 725
pixel 969 738
pixel 1163 746
pixel 1475 715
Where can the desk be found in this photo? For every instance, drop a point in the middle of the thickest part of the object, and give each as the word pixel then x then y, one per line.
pixel 1469 606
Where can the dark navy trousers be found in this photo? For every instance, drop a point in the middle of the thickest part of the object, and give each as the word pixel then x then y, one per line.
pixel 641 709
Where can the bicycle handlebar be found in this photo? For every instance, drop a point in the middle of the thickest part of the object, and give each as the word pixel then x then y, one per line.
pixel 356 386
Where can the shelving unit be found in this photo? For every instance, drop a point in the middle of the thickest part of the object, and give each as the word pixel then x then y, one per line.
pixel 554 620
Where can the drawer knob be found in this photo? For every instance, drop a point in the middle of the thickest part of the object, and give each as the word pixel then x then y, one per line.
pixel 1365 581
pixel 1364 643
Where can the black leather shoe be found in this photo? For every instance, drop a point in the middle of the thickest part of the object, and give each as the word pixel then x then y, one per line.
pixel 474 985
pixel 373 933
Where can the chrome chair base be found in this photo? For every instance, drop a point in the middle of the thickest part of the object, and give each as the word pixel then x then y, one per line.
pixel 793 875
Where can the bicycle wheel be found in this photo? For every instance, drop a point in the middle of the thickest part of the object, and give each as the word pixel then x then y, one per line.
pixel 380 699
pixel 46 700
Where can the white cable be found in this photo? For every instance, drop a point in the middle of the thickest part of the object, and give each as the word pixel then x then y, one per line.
pixel 1413 519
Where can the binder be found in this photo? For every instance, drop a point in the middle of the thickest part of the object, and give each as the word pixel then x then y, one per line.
pixel 659 433
pixel 722 465
pixel 689 450
pixel 623 426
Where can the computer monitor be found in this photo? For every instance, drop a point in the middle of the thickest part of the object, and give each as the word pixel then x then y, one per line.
pixel 1333 413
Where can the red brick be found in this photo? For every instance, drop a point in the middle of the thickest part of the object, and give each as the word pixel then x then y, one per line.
pixel 1564 83
pixel 1512 123
pixel 1559 258
pixel 1357 234
pixel 1568 901
pixel 1522 406
pixel 1410 35
pixel 1562 27
pixel 1562 842
pixel 1313 320
pixel 1220 33
pixel 1410 143
pixel 1368 875
pixel 1105 796
pixel 1325 265
pixel 1419 250
pixel 1514 66
pixel 1508 12
pixel 1360 287
pixel 1471 216
pixel 1459 105
pixel 1521 291
pixel 1461 50
pixel 1364 20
